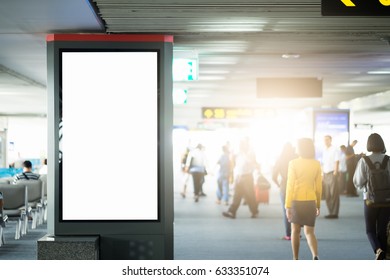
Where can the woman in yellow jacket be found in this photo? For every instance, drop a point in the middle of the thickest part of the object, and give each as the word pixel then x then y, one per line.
pixel 303 196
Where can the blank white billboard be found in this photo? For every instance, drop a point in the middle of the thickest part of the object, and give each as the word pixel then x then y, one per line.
pixel 109 138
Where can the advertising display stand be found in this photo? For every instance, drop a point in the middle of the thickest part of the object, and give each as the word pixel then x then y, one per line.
pixel 110 177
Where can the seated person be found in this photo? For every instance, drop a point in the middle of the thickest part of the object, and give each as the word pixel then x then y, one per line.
pixel 27 173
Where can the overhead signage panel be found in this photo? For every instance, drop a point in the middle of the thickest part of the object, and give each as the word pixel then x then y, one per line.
pixel 288 87
pixel 234 113
pixel 355 7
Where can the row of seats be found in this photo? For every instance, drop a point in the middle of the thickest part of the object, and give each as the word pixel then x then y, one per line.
pixel 15 206
pixel 27 199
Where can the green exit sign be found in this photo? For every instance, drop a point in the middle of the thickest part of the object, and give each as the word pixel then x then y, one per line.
pixel 185 69
pixel 355 7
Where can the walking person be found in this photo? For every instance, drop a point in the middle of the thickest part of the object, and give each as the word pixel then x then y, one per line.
pixel 185 174
pixel 196 166
pixel 352 160
pixel 330 167
pixel 279 176
pixel 245 164
pixel 303 196
pixel 376 218
pixel 223 176
pixel 342 174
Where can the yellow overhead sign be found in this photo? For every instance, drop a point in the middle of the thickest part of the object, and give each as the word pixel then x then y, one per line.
pixel 355 7
pixel 348 3
pixel 234 113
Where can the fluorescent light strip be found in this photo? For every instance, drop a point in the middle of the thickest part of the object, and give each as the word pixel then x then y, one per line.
pixel 379 72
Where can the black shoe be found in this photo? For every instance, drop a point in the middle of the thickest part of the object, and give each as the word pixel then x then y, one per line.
pixel 331 217
pixel 229 215
pixel 380 255
pixel 316 258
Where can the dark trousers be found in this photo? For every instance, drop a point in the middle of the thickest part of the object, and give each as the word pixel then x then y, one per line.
pixel 376 219
pixel 342 182
pixel 350 187
pixel 198 180
pixel 244 189
pixel 287 224
pixel 332 194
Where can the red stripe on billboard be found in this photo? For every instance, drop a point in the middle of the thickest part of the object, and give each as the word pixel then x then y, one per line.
pixel 111 37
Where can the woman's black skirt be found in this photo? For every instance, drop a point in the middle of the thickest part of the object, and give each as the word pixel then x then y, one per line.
pixel 304 213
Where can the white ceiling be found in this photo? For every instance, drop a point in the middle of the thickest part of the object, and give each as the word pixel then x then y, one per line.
pixel 23 28
pixel 236 41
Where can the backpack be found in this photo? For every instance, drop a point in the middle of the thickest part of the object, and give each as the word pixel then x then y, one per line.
pixel 378 185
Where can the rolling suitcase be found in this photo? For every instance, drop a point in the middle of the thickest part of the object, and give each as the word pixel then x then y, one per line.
pixel 262 190
pixel 262 195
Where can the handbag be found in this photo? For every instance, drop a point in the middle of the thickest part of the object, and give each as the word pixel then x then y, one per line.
pixel 262 183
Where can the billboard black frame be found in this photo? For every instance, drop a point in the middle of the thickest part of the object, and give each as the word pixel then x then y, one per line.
pixel 56 44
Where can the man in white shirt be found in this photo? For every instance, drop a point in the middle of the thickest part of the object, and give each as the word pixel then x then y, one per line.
pixel 244 166
pixel 330 167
